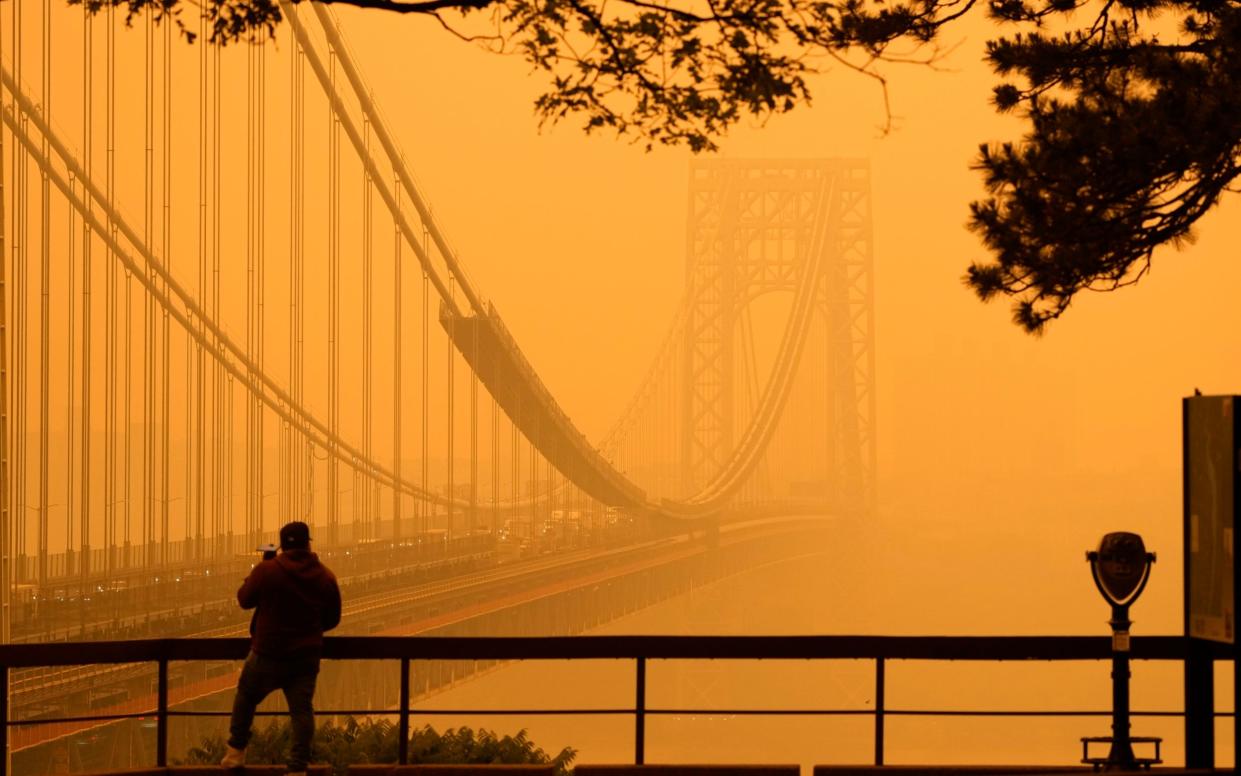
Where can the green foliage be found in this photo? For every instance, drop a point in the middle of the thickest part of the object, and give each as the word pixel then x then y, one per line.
pixel 1134 126
pixel 376 741
pixel 1133 138
pixel 463 745
pixel 674 72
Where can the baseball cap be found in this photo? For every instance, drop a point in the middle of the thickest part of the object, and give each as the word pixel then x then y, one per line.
pixel 294 535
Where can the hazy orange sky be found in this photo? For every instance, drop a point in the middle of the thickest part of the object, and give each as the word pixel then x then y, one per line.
pixel 1000 450
pixel 1038 444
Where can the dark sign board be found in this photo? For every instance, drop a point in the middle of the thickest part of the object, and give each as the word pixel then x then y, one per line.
pixel 1211 490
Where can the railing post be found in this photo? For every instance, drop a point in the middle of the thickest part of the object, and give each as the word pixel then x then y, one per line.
pixel 879 706
pixel 1199 705
pixel 161 716
pixel 639 715
pixel 403 723
pixel 4 720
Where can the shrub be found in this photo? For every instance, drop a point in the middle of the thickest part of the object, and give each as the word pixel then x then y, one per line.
pixel 359 741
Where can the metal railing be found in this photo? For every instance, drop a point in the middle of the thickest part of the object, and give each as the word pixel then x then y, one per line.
pixel 640 649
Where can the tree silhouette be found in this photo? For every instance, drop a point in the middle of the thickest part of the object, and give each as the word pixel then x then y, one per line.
pixel 1133 121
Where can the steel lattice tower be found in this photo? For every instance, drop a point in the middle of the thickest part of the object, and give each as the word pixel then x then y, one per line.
pixel 753 225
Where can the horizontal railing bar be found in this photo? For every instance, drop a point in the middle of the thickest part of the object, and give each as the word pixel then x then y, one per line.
pixel 620 647
pixel 1038 713
pixel 99 718
pixel 418 712
pixel 624 712
pixel 764 712
pixel 1022 713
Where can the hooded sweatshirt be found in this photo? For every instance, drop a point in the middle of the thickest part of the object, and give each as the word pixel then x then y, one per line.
pixel 297 599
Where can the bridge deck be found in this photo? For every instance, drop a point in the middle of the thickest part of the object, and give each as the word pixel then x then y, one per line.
pixel 499 363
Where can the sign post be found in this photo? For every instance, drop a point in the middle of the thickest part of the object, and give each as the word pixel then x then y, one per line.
pixel 1212 478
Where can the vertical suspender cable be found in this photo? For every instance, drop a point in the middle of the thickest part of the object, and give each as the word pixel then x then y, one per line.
pixel 200 471
pixel 282 464
pixel 256 272
pixel 473 517
pixel 289 482
pixel 284 475
pixel 19 331
pixel 251 432
pixel 534 490
pixel 19 319
pixel 44 302
pixel 260 247
pixel 333 303
pixel 221 454
pixel 70 371
pixel 667 424
pixel 109 303
pixel 514 476
pixel 287 459
pixel 148 333
pixel 87 111
pixel 495 467
pixel 427 508
pixel 218 530
pixel 367 290
pixel 302 503
pixel 165 372
pixel 122 559
pixel 127 560
pixel 451 414
pixel 6 535
pixel 396 367
pixel 536 485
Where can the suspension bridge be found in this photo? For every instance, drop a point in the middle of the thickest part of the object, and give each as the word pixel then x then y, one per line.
pixel 227 303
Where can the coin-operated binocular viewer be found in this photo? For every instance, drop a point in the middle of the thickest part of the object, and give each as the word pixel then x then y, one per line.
pixel 1121 567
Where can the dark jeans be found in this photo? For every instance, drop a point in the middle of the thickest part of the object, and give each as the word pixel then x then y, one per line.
pixel 259 677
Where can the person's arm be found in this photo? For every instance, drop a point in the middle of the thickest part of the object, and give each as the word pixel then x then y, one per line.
pixel 248 594
pixel 331 606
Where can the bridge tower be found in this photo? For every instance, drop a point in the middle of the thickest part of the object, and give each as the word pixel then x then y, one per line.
pixel 753 226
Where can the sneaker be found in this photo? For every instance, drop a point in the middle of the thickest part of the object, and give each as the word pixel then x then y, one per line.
pixel 234 758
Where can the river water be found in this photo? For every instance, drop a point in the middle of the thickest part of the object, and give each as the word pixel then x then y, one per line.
pixel 834 590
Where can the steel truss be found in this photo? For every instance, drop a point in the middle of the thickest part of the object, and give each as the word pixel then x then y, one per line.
pixel 757 227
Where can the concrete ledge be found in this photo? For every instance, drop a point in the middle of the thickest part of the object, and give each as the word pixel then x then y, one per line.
pixel 945 770
pixel 985 770
pixel 318 769
pixel 687 770
pixel 215 770
pixel 451 769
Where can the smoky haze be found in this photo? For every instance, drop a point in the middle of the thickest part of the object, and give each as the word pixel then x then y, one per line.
pixel 1002 457
pixel 1012 453
pixel 1006 455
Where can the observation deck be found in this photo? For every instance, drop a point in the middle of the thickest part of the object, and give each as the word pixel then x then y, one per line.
pixel 410 652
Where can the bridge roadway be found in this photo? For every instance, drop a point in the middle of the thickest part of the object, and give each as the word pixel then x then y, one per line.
pixel 182 595
pixel 396 586
pixel 372 614
pixel 126 689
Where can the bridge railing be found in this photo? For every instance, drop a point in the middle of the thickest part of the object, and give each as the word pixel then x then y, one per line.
pixel 639 649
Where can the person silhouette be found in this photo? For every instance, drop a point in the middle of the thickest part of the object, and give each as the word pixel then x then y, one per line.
pixel 296 599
